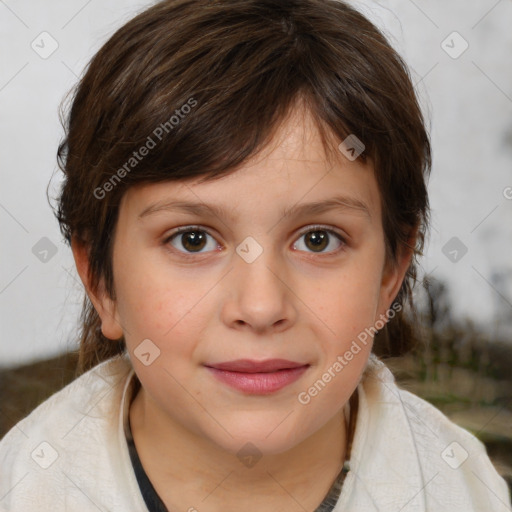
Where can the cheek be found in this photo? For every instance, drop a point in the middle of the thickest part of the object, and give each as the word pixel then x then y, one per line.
pixel 151 302
pixel 350 310
pixel 351 302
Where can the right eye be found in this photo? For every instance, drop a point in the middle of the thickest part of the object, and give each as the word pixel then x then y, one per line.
pixel 192 240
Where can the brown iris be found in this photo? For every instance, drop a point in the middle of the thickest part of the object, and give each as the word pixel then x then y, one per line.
pixel 193 240
pixel 317 239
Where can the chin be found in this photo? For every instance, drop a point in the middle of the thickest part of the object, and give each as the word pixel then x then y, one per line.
pixel 260 437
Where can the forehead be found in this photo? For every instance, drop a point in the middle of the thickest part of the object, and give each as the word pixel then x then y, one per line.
pixel 294 168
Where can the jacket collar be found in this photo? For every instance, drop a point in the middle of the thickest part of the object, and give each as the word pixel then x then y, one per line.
pixel 385 471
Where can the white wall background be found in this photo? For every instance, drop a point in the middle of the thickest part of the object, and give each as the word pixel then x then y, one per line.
pixel 467 99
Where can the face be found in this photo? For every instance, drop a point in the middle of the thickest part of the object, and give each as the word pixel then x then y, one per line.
pixel 247 310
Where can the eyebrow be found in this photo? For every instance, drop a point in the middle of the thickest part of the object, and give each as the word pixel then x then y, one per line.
pixel 343 203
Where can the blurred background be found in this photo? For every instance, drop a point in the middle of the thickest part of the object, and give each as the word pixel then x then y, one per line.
pixel 459 54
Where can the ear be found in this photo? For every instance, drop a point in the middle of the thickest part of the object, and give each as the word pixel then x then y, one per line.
pixel 394 273
pixel 103 304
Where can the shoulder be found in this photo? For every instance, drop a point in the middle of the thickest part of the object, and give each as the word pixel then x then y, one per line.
pixel 68 442
pixel 95 389
pixel 452 463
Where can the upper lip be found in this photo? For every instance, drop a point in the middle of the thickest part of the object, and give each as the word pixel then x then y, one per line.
pixel 251 366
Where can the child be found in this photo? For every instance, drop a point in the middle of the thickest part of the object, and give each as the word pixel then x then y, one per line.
pixel 245 197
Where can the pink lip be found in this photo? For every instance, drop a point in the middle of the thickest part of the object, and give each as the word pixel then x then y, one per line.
pixel 258 377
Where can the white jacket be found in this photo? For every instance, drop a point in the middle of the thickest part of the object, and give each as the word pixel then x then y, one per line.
pixel 70 454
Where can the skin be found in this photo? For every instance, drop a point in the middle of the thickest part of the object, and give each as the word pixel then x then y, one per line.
pixel 295 301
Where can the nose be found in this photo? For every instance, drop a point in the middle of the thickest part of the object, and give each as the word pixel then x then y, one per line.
pixel 259 297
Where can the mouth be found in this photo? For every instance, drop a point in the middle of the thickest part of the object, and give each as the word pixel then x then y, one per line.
pixel 257 377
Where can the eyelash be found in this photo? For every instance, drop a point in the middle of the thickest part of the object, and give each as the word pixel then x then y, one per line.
pixel 317 227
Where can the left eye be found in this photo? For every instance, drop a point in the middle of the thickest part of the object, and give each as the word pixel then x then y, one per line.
pixel 194 240
pixel 318 238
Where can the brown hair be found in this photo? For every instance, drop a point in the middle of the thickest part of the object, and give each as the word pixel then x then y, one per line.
pixel 239 66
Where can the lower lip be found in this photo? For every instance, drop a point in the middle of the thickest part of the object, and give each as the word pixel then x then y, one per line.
pixel 259 383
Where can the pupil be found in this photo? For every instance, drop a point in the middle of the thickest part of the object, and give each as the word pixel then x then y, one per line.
pixel 318 239
pixel 193 239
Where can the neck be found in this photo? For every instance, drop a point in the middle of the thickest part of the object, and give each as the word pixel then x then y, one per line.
pixel 188 470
